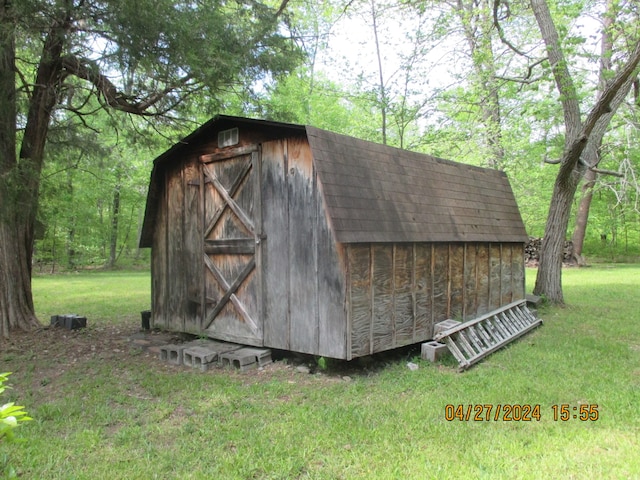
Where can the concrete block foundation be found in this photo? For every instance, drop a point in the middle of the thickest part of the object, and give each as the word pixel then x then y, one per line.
pixel 433 351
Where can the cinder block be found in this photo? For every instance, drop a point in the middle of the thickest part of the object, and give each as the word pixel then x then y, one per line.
pixel 433 350
pixel 73 322
pixel 246 358
pixel 199 357
pixel 445 325
pixel 264 358
pixel 172 354
pixel 70 321
pixel 145 317
pixel 533 300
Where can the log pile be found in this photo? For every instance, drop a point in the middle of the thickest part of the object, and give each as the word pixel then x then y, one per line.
pixel 532 252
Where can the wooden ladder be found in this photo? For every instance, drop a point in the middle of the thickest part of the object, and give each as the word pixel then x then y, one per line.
pixel 471 341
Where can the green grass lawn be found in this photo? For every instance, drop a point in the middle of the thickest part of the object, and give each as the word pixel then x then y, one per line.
pixel 114 415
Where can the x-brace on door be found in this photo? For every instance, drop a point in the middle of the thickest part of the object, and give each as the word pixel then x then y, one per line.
pixel 232 231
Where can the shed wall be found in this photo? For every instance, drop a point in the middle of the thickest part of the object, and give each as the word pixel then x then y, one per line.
pixel 397 292
pixel 304 279
pixel 176 270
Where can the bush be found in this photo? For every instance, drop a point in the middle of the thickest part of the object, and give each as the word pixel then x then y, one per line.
pixel 11 415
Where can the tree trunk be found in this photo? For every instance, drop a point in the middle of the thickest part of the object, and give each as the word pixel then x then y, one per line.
pixel 20 180
pixel 381 86
pixel 115 218
pixel 582 216
pixel 549 279
pixel 16 299
pixel 71 229
pixel 16 304
pixel 577 136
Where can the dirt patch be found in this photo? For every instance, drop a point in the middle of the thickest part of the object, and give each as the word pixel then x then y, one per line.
pixel 47 353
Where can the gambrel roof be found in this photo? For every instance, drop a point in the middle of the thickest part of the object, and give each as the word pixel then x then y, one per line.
pixel 375 193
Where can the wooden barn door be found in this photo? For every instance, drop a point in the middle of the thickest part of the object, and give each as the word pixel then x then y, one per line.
pixel 232 293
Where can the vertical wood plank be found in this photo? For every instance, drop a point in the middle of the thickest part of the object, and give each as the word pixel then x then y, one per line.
pixel 192 240
pixel 203 268
pixel 506 274
pixel 440 282
pixel 483 284
pixel 470 281
pixel 518 271
pixel 159 262
pixel 332 268
pixel 276 245
pixel 403 289
pixel 360 300
pixel 302 251
pixel 423 284
pixel 495 276
pixel 456 280
pixel 256 166
pixel 176 291
pixel 414 290
pixel 382 297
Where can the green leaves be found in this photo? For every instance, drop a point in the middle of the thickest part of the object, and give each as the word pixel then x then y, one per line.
pixel 11 415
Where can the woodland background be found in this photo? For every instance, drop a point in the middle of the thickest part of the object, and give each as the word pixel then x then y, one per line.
pixel 435 77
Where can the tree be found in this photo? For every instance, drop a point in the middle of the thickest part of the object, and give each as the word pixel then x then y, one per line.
pixel 578 134
pixel 175 49
pixel 479 29
pixel 592 155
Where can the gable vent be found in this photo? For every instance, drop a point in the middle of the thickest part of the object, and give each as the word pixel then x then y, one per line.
pixel 227 138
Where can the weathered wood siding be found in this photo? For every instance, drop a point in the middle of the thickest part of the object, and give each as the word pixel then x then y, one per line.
pixel 159 266
pixel 192 241
pixel 304 287
pixel 397 292
pixel 175 260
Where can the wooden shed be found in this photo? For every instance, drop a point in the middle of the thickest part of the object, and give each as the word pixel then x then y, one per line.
pixel 291 237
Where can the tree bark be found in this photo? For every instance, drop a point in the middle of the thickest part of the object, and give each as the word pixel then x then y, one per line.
pixel 577 136
pixel 21 178
pixel 381 86
pixel 582 216
pixel 16 304
pixel 115 220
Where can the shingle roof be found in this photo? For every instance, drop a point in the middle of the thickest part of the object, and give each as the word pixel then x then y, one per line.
pixel 376 193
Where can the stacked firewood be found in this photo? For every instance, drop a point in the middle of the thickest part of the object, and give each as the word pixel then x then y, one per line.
pixel 532 251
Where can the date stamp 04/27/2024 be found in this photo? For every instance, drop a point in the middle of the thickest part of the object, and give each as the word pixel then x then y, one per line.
pixel 487 412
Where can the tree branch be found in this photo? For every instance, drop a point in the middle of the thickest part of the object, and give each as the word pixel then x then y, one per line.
pixel 283 5
pixel 603 106
pixel 606 172
pixel 87 70
pixel 503 39
pixel 527 78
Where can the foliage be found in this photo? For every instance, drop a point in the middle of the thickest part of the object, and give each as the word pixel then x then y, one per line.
pixel 84 175
pixel 434 104
pixel 11 417
pixel 435 80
